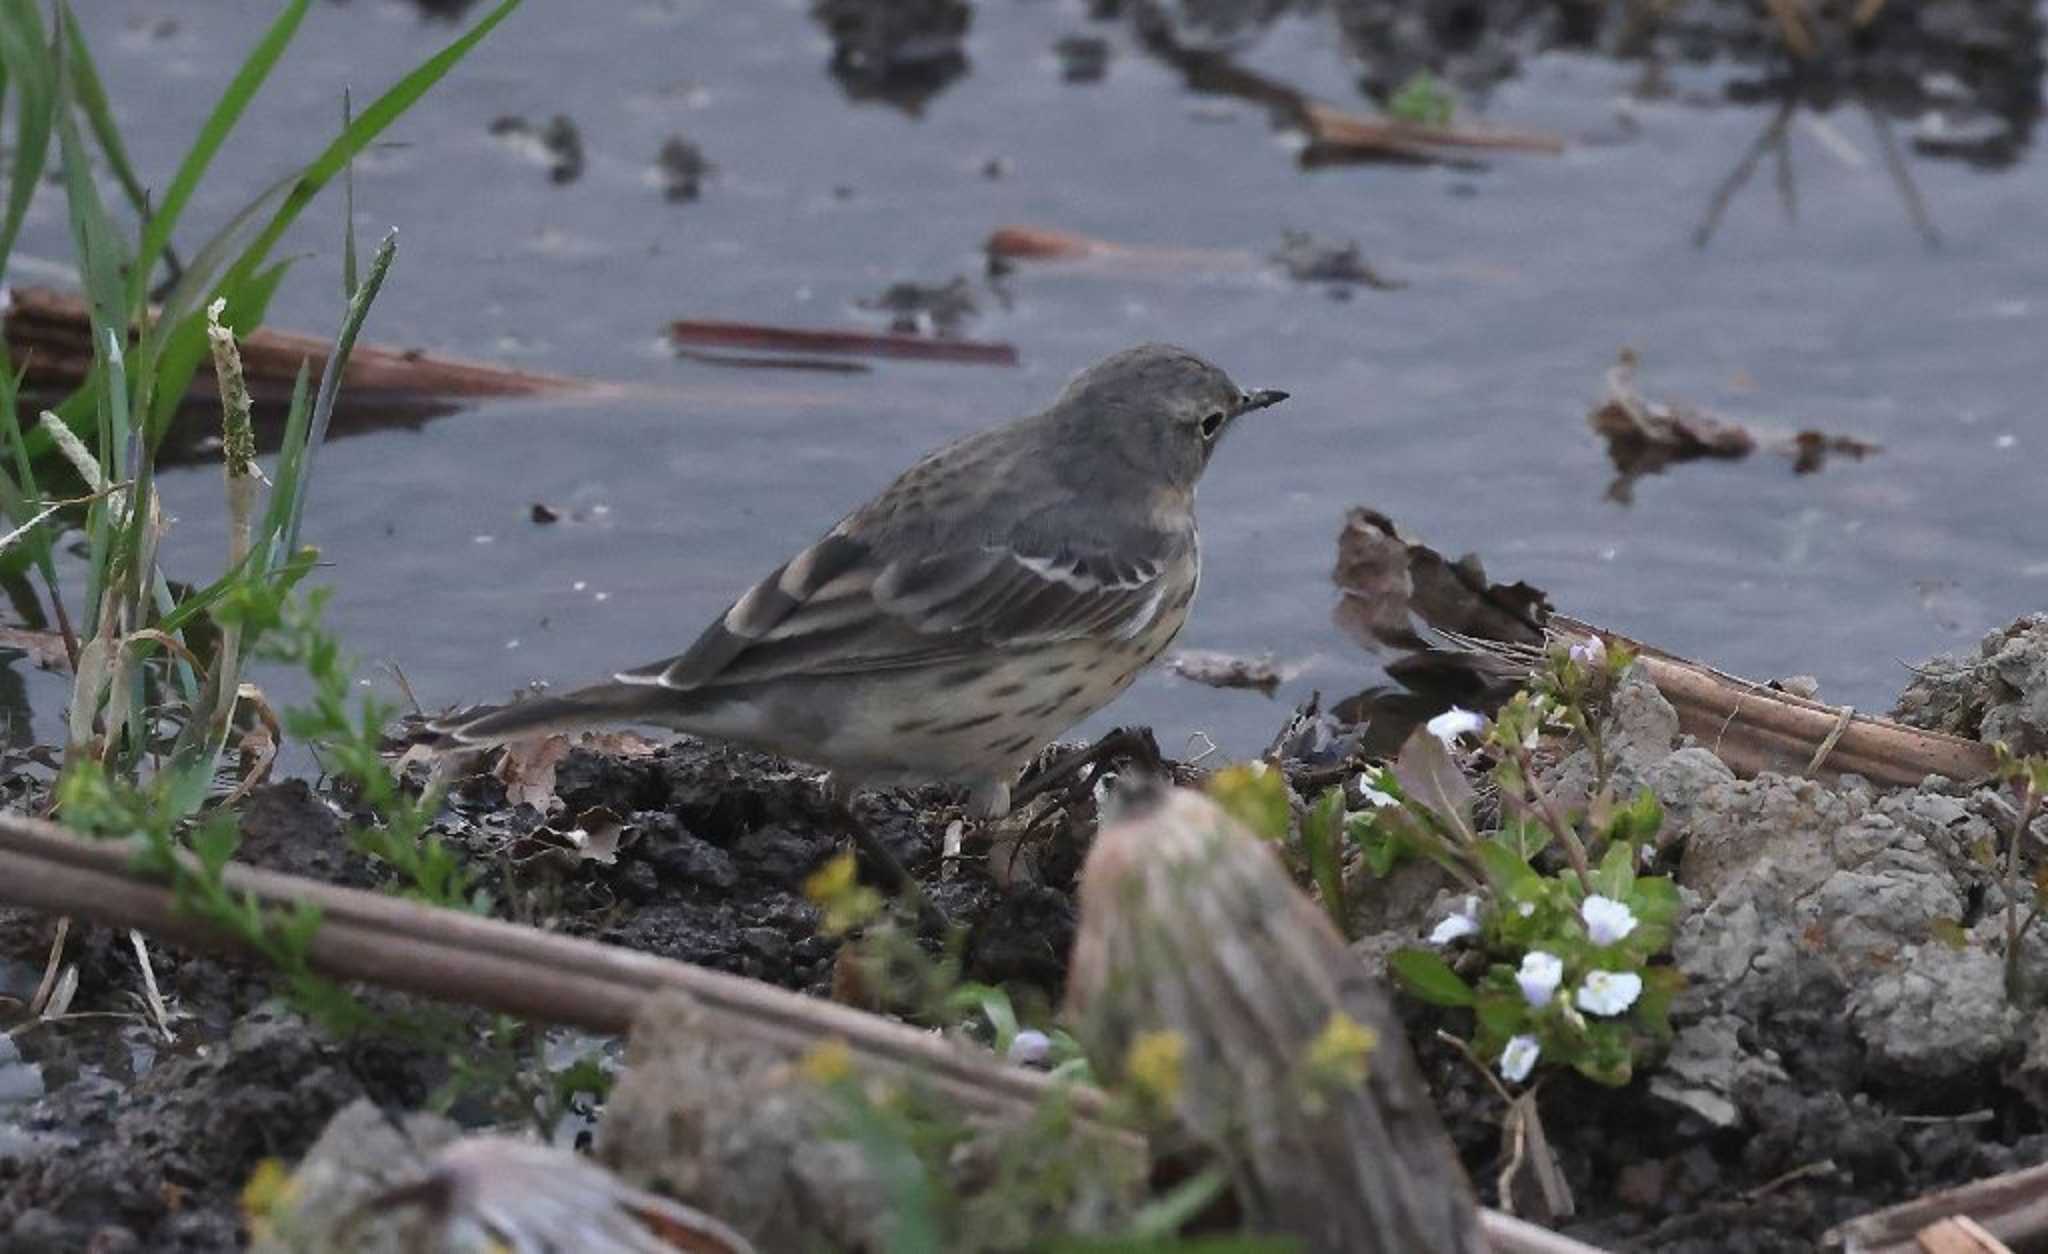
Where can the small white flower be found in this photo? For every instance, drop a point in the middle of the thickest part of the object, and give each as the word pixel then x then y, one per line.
pixel 1374 797
pixel 1519 1057
pixel 1539 976
pixel 1609 992
pixel 1452 928
pixel 1453 723
pixel 1607 920
pixel 1029 1048
pixel 1526 909
pixel 1590 652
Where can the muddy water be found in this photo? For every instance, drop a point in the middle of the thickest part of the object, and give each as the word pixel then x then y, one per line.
pixel 1455 404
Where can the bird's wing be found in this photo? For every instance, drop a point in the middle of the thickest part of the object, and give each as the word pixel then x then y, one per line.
pixel 838 609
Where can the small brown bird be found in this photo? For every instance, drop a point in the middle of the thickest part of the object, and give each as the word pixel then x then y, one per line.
pixel 998 592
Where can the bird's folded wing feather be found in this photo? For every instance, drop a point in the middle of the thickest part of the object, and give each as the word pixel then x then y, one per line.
pixel 835 609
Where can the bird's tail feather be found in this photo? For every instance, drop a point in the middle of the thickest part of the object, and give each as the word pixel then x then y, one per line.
pixel 596 706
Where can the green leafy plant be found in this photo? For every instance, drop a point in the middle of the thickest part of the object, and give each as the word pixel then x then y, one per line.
pixel 1556 946
pixel 348 730
pixel 2027 777
pixel 1424 99
pixel 193 861
pixel 1316 848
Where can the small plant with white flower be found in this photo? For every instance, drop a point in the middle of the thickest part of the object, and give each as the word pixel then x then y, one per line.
pixel 1554 948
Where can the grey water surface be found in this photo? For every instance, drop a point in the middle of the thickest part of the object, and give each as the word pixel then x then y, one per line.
pixel 1455 404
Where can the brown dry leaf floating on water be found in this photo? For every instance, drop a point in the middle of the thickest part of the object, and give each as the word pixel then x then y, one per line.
pixel 1224 670
pixel 1644 436
pixel 1810 450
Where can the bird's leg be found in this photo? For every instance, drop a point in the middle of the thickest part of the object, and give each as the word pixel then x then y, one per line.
pixel 883 859
pixel 1134 742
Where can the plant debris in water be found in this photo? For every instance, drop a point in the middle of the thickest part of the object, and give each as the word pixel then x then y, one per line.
pixel 1310 260
pixel 682 167
pixel 557 144
pixel 1645 436
pixel 1224 670
pixel 903 52
pixel 939 309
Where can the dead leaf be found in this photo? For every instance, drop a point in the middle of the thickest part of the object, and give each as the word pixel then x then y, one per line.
pixel 1389 579
pixel 595 835
pixel 1809 450
pixel 1644 436
pixel 621 744
pixel 1223 670
pixel 527 769
pixel 1428 775
pixel 1641 429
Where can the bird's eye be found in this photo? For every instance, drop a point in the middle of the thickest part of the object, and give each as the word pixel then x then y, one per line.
pixel 1212 425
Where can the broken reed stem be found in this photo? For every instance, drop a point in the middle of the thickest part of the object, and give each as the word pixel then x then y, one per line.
pixel 1755 728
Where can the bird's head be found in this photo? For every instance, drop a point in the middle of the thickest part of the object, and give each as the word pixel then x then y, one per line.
pixel 1158 408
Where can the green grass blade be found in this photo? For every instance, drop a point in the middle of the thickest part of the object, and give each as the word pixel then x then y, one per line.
pixel 383 111
pixel 22 497
pixel 174 376
pixel 91 94
pixel 348 209
pixel 227 111
pixel 102 260
pixel 24 52
pixel 289 475
pixel 330 381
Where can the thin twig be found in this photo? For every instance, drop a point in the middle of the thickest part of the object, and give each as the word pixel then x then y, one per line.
pixel 1567 834
pixel 1824 1167
pixel 157 1010
pixel 51 966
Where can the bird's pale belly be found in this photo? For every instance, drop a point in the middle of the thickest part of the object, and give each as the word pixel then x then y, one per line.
pixel 992 715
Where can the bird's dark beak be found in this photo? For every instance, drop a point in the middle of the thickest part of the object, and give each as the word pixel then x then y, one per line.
pixel 1260 399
